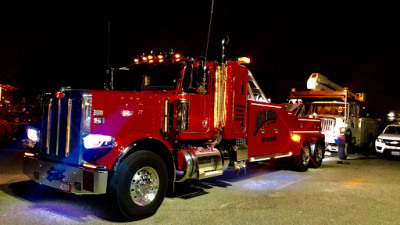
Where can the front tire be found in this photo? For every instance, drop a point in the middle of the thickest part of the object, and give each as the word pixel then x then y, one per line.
pixel 140 184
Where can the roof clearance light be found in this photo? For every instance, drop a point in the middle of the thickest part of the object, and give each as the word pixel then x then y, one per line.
pixel 245 60
pixel 59 94
pixel 177 57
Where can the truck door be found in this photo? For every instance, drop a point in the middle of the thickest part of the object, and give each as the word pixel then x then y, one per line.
pixel 197 89
pixel 268 135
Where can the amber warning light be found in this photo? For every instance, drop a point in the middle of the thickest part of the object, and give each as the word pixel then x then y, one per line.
pixel 171 57
pixel 245 60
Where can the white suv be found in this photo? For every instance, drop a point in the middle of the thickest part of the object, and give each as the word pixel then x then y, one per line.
pixel 388 142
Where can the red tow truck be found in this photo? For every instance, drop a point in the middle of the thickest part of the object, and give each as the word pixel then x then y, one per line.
pixel 168 119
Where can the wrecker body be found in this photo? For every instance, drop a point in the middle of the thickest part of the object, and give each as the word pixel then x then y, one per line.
pixel 345 125
pixel 15 115
pixel 168 119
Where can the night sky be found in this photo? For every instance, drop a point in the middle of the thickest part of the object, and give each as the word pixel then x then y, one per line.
pixel 43 48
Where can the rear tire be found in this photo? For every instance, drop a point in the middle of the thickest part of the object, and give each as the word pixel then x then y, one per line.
pixel 302 161
pixel 370 145
pixel 318 155
pixel 140 184
pixel 342 151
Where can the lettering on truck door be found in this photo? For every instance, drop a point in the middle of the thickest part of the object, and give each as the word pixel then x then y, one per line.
pixel 266 133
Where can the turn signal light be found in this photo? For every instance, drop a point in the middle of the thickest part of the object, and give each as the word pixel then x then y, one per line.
pixel 29 154
pixel 296 138
pixel 90 166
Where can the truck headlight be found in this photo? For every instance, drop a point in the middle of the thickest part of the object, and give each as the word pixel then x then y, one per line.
pixel 97 141
pixel 33 134
pixel 342 130
pixel 380 140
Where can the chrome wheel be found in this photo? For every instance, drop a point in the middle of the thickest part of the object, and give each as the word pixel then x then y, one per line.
pixel 144 186
pixel 305 158
pixel 318 153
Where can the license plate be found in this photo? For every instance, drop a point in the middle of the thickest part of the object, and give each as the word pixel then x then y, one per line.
pixel 65 186
pixel 396 153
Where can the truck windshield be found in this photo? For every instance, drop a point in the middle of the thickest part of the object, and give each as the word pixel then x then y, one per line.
pixel 392 130
pixel 146 76
pixel 327 108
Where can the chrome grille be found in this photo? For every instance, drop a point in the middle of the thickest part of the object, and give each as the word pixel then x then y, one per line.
pixel 64 122
pixel 393 143
pixel 328 124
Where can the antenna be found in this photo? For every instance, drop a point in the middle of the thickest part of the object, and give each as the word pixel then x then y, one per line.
pixel 108 47
pixel 209 29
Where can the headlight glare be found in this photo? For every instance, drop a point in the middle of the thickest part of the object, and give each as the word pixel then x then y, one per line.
pixel 33 134
pixel 92 141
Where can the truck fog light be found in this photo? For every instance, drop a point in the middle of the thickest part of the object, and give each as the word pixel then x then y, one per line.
pixel 33 134
pixel 97 141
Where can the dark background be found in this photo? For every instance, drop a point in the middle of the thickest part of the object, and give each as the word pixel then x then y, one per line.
pixel 45 47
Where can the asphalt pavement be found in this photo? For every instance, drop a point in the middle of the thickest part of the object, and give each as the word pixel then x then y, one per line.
pixel 359 190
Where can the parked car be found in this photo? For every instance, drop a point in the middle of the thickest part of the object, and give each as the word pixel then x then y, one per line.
pixel 388 143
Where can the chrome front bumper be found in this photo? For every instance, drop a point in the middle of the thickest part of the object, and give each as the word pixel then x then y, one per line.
pixel 77 180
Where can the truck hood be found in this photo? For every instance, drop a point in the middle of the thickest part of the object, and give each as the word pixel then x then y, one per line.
pixel 390 136
pixel 330 116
